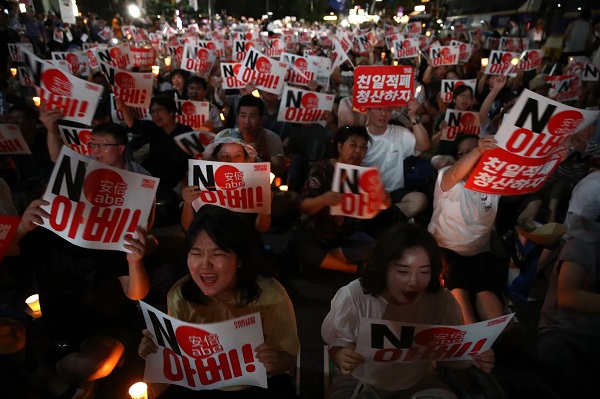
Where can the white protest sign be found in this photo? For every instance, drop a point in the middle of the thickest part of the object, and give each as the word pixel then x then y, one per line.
pixel 192 113
pixel 116 115
pixel 212 356
pixel 68 11
pixel 274 47
pixel 117 56
pixel 323 71
pixel 530 60
pixel 500 63
pixel 76 98
pixel 58 35
pixel 300 70
pixel 77 139
pixel 303 106
pixel 241 48
pixel 240 187
pixel 529 142
pixel 77 61
pixel 361 44
pixel 591 73
pixel 216 46
pixel 266 73
pixel 512 44
pixel 362 189
pixel 405 48
pixel 460 122
pixel 448 86
pixel 198 59
pixel 229 71
pixel 193 143
pixel 12 141
pixel 93 205
pixel 133 88
pixel 444 55
pixel 564 88
pixel 14 49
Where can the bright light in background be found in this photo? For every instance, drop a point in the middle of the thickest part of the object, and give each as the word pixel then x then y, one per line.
pixel 420 8
pixel 578 8
pixel 134 11
pixel 22 7
pixel 404 19
pixel 559 6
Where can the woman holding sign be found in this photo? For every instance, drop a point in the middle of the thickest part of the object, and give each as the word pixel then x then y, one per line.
pixel 225 282
pixel 400 283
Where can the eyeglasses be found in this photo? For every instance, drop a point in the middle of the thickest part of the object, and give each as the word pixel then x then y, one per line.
pixel 100 146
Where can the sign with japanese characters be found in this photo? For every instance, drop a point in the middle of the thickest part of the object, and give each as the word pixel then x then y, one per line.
pixel 76 98
pixel 95 206
pixel 383 86
pixel 8 228
pixel 193 143
pixel 564 88
pixel 204 356
pixel 362 189
pixel 133 88
pixel 266 73
pixel 529 142
pixel 444 55
pixel 448 86
pixel 382 342
pixel 12 141
pixel 192 113
pixel 198 59
pixel 77 139
pixel 240 187
pixel 300 70
pixel 303 106
pixel 460 122
pixel 500 63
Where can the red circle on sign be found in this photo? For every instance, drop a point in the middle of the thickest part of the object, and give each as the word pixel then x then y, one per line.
pixel 565 122
pixel 445 52
pixel 467 119
pixel 458 83
pixel 72 59
pixel 102 188
pixel 188 108
pixel 263 65
pixel 507 58
pixel 124 80
pixel 236 68
pixel 310 101
pixel 202 54
pixel 179 51
pixel 370 182
pixel 211 46
pixel 248 36
pixel 534 56
pixel 248 45
pixel 301 64
pixel 194 342
pixel 57 83
pixel 433 336
pixel 228 175
pixel 115 52
pixel 85 136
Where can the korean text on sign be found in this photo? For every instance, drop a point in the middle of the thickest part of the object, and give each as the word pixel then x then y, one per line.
pixel 383 86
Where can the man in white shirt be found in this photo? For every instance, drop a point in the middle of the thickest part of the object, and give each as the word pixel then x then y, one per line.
pixel 391 145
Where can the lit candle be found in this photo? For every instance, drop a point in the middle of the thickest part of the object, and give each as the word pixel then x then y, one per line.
pixel 417 91
pixel 255 93
pixel 37 101
pixel 222 117
pixel 278 181
pixel 13 71
pixel 395 62
pixel 33 302
pixel 139 390
pixel 272 177
pixel 167 61
pixel 283 188
pixel 484 62
pixel 155 70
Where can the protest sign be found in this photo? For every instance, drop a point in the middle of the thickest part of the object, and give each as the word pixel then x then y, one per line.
pixel 8 228
pixel 192 113
pixel 77 139
pixel 384 343
pixel 300 70
pixel 530 60
pixel 362 189
pixel 58 35
pixel 241 48
pixel 267 74
pixel 564 88
pixel 193 143
pixel 216 46
pixel 448 86
pixel 117 115
pixel 77 62
pixel 240 187
pixel 68 11
pixel 500 63
pixel 12 141
pixel 204 356
pixel 303 106
pixel 323 71
pixel 117 56
pixel 14 49
pixel 76 98
pixel 465 51
pixel 444 55
pixel 529 140
pixel 198 59
pixel 143 57
pixel 93 205
pixel 512 44
pixel 413 27
pixel 463 122
pixel 590 73
pixel 176 53
pixel 383 86
pixel 339 55
pixel 25 76
pixel 133 88
pixel 229 71
pixel 361 44
pixel 390 39
pixel 274 47
pixel 405 48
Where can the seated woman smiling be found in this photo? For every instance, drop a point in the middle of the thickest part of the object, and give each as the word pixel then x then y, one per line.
pixel 225 282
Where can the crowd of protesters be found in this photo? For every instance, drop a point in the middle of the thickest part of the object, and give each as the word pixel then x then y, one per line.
pixel 439 252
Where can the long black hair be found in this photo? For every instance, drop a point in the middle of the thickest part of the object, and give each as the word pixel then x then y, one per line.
pixel 390 247
pixel 233 235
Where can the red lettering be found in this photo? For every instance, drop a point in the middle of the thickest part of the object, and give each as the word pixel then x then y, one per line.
pixel 387 355
pixel 211 370
pixel 519 140
pixel 61 205
pixel 172 369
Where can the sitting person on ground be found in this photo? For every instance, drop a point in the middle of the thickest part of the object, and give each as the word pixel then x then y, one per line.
pixel 391 145
pixel 400 283
pixel 227 280
pixel 197 89
pixel 228 146
pixel 462 223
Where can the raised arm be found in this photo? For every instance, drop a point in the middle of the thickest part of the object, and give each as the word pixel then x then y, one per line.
pixel 422 137
pixel 465 165
pixel 137 284
pixel 50 118
pixel 127 116
pixel 498 83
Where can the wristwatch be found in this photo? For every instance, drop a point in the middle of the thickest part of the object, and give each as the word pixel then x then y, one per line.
pixel 417 121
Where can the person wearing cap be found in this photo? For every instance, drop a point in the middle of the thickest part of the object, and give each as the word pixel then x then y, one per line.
pixel 228 146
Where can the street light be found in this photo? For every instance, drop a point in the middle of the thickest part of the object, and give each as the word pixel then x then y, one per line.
pixel 134 11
